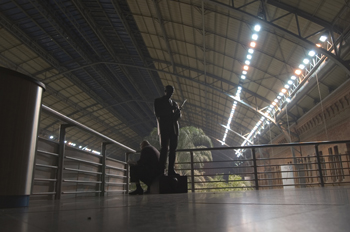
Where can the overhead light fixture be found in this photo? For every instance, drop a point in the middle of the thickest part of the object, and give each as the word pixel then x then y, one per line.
pixel 244 72
pixel 284 90
pixel 250 50
pixel 243 77
pixel 323 38
pixel 298 72
pixel 312 53
pixel 249 57
pixel 52 137
pixel 286 86
pixel 301 66
pixel 318 45
pixel 257 28
pixel 246 67
pixel 290 82
pixel 247 62
pixel 293 77
pixel 255 36
pixel 276 100
pixel 288 99
pixel 306 61
pixel 274 103
pixel 252 44
pixel 279 97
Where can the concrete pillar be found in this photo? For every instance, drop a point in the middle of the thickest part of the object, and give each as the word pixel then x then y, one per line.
pixel 20 104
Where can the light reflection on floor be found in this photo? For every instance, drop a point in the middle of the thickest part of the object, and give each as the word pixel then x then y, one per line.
pixel 306 209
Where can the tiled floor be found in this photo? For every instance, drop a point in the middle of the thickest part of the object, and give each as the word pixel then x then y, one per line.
pixel 307 209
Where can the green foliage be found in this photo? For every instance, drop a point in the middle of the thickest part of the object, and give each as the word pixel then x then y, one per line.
pixel 219 184
pixel 190 138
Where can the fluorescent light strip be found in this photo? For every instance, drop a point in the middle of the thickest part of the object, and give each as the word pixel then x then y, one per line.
pixel 286 93
pixel 249 56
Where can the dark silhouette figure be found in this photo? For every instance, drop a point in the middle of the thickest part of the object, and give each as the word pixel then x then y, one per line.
pixel 168 113
pixel 146 168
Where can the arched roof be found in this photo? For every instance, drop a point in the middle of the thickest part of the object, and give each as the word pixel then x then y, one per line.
pixel 104 62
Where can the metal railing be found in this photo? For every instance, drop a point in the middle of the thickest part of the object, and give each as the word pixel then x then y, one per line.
pixel 61 169
pixel 294 165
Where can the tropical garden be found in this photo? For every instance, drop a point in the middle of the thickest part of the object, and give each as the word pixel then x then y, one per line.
pixel 191 138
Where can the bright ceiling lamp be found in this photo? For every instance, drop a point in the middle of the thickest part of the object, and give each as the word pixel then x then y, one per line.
pixel 306 61
pixel 244 72
pixel 255 36
pixel 288 99
pixel 250 50
pixel 301 66
pixel 290 82
pixel 323 38
pixel 249 57
pixel 297 72
pixel 257 28
pixel 274 103
pixel 284 90
pixel 293 77
pixel 279 96
pixel 318 45
pixel 312 53
pixel 246 67
pixel 276 100
pixel 243 77
pixel 247 62
pixel 252 44
pixel 286 86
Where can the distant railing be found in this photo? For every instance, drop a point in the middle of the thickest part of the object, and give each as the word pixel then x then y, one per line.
pixel 294 165
pixel 62 169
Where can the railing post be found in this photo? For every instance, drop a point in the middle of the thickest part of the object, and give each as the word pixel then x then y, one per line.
pixel 60 165
pixel 103 175
pixel 192 172
pixel 255 170
pixel 127 172
pixel 319 165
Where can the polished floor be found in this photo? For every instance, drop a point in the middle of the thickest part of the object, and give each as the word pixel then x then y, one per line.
pixel 307 209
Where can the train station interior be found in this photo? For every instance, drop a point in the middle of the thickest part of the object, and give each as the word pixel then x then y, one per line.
pixel 265 129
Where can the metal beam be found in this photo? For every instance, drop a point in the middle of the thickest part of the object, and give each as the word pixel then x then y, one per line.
pixel 274 29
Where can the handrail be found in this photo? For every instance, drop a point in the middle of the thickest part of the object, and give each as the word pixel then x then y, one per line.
pixel 63 156
pixel 83 171
pixel 47 153
pixel 305 173
pixel 83 161
pixel 264 146
pixel 83 127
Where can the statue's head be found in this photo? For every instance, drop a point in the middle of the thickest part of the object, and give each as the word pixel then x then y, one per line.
pixel 169 90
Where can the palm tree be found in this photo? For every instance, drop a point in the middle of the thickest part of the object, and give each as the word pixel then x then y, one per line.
pixel 189 138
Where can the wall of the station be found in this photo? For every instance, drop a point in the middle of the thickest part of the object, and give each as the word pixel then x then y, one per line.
pixel 329 121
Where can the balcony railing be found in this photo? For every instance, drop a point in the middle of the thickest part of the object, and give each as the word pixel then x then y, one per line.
pixel 294 165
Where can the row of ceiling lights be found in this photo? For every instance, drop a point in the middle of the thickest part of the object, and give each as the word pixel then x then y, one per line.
pixel 85 148
pixel 249 56
pixel 283 96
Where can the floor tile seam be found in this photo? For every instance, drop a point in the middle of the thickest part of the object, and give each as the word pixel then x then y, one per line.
pixel 66 210
pixel 29 224
pixel 251 203
pixel 264 220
